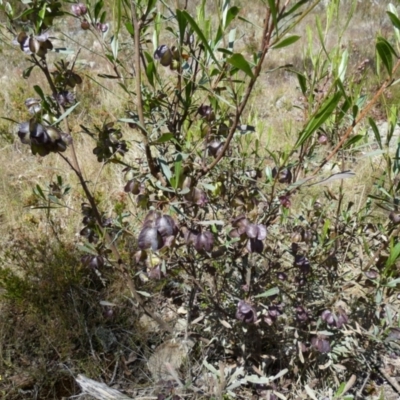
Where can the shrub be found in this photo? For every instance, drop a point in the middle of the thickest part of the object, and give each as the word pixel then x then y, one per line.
pixel 263 250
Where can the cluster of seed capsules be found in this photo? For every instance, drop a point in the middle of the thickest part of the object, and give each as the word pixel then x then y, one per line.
pixel 80 10
pixel 43 139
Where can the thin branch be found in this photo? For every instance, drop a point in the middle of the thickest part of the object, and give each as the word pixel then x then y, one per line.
pixel 266 40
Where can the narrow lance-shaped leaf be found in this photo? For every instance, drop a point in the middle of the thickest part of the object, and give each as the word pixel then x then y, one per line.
pixel 201 36
pixel 334 177
pixel 271 292
pixel 177 171
pixel 394 19
pixel 238 61
pixel 376 132
pixel 182 24
pixel 343 66
pixel 286 42
pixel 385 52
pixel 323 114
pixel 274 13
pixel 231 15
pixel 394 255
pixel 69 111
pixel 165 169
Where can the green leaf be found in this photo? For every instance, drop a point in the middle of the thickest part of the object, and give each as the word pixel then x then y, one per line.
pixel 118 16
pixel 343 66
pixel 39 192
pixel 302 82
pixel 39 91
pixel 97 9
pixel 69 111
pixel 322 115
pixel 385 52
pixel 286 42
pixel 274 13
pixel 114 46
pixel 394 255
pixel 136 122
pixel 150 72
pixel 87 248
pixel 231 15
pixel 340 389
pixel 352 141
pixel 175 180
pixel 27 72
pixel 166 137
pixel 393 283
pixel 296 6
pixel 238 61
pixel 271 292
pixel 394 19
pixel 41 15
pixel 165 169
pixel 150 5
pixel 376 132
pixel 182 24
pixel 129 28
pixel 201 36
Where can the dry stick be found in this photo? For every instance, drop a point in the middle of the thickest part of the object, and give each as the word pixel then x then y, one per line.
pixel 362 115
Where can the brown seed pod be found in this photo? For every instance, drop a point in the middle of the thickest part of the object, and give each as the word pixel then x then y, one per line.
pixel 254 246
pixel 307 236
pixel 204 242
pixel 394 217
pixel 296 237
pixel 241 223
pixel 197 196
pixel 328 317
pixel 372 274
pixel 215 148
pixel 166 226
pixel 85 25
pixel 60 146
pixel 164 55
pixel 33 105
pixel 323 140
pixel 150 219
pixel 79 9
pixel 245 312
pixel 38 133
pixel 53 133
pixel 132 186
pixel 150 238
pixel 234 233
pixel 207 113
pixel 34 45
pixel 261 232
pixel 189 235
pixel 251 231
pixel 321 344
pixel 284 175
pixel 23 132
